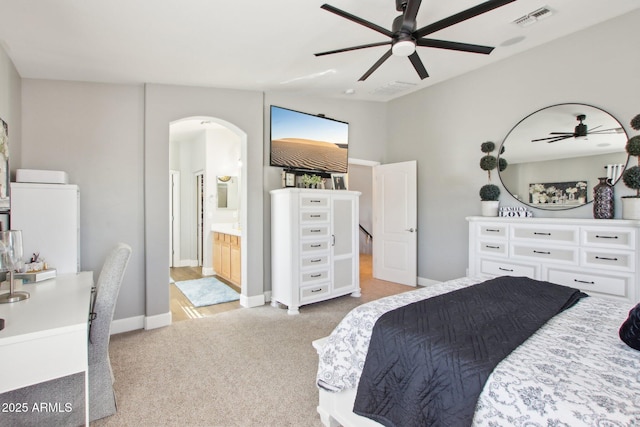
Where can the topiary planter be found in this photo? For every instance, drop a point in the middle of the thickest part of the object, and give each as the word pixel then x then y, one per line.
pixel 490 207
pixel 630 207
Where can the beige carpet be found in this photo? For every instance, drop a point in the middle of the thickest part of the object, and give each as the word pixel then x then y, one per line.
pixel 246 367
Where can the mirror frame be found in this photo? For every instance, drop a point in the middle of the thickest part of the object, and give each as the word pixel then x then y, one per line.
pixel 580 108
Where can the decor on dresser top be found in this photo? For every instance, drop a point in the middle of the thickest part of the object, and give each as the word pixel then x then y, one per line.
pixel 603 199
pixel 311 181
pixel 339 181
pixel 574 158
pixel 489 193
pixel 558 193
pixel 631 177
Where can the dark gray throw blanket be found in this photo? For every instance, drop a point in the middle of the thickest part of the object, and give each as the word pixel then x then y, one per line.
pixel 428 361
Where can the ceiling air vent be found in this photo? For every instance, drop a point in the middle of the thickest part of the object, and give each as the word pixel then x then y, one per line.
pixel 533 17
pixel 393 87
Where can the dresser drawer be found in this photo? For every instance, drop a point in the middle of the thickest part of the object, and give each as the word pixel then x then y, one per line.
pixel 494 248
pixel 546 233
pixel 609 238
pixel 315 230
pixel 314 216
pixel 496 231
pixel 498 268
pixel 611 285
pixel 314 261
pixel 314 276
pixel 316 246
pixel 599 258
pixel 546 253
pixel 312 200
pixel 313 293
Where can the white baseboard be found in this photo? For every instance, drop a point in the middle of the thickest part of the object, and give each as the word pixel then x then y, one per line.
pixel 423 281
pixel 255 301
pixel 157 321
pixel 208 271
pixel 187 263
pixel 119 326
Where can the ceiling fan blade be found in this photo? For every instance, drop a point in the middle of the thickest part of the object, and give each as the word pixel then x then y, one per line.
pixel 418 65
pixel 553 138
pixel 347 49
pixel 606 131
pixel 410 13
pixel 563 133
pixel 461 16
pixel 357 19
pixel 375 66
pixel 560 138
pixel 464 47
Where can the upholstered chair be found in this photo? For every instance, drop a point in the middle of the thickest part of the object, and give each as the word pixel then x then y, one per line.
pixel 70 389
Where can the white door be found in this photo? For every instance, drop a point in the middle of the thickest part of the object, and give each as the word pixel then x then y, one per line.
pixel 395 222
pixel 174 216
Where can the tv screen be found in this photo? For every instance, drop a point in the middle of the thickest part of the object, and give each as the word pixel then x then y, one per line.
pixel 307 142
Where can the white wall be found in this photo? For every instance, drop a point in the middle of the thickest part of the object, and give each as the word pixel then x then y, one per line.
pixel 11 108
pixel 95 133
pixel 442 127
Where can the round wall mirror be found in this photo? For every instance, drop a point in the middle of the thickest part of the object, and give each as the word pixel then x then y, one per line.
pixel 556 155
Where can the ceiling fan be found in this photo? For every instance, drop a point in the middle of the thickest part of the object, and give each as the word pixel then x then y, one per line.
pixel 405 37
pixel 581 131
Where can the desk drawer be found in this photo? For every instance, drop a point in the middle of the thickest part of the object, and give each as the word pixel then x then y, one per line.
pixel 612 285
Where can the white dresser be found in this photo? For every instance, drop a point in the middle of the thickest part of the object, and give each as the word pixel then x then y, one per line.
pixel 599 257
pixel 314 246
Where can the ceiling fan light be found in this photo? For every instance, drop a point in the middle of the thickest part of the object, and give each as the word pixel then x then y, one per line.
pixel 403 48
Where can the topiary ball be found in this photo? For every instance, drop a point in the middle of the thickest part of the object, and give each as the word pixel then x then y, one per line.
pixel 489 192
pixel 487 147
pixel 488 162
pixel 635 122
pixel 631 177
pixel 502 164
pixel 633 146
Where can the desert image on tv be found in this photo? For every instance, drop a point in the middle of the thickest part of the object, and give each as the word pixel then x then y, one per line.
pixel 309 154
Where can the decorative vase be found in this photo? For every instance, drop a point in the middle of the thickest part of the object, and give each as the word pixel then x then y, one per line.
pixel 490 207
pixel 603 199
pixel 630 207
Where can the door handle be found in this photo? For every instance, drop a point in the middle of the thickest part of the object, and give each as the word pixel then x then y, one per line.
pixel 411 230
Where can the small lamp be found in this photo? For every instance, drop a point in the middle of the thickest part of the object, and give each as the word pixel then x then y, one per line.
pixel 11 257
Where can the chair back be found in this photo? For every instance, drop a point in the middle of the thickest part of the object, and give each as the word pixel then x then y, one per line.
pixel 107 290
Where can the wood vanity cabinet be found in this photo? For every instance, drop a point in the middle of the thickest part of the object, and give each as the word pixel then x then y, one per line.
pixel 226 257
pixel 597 256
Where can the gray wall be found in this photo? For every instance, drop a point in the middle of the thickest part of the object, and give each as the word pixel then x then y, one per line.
pixel 11 107
pixel 442 127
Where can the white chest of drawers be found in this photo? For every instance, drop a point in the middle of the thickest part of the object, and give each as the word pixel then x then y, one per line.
pixel 599 257
pixel 314 246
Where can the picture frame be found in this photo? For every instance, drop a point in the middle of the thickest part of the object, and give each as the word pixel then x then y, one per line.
pixel 555 194
pixel 289 179
pixel 4 166
pixel 339 181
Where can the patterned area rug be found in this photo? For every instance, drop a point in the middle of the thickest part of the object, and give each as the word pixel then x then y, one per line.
pixel 207 291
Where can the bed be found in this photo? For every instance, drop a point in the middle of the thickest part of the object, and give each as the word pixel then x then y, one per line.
pixel 573 371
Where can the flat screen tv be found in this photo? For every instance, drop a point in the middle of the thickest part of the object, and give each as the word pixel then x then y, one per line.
pixel 306 142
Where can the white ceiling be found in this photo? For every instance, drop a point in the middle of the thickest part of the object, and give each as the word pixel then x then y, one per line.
pixel 265 45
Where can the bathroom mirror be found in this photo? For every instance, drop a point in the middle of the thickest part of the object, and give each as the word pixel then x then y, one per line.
pixel 556 155
pixel 227 187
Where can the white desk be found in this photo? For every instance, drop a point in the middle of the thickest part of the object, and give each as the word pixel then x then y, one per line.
pixel 46 336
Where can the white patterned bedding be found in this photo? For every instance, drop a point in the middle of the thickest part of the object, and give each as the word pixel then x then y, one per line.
pixel 575 371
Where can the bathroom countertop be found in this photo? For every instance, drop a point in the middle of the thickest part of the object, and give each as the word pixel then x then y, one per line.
pixel 226 228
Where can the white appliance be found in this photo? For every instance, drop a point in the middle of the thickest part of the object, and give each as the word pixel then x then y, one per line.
pixel 49 217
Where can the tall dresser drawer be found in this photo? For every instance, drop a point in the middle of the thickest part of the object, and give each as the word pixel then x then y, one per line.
pixel 307 201
pixel 314 276
pixel 315 230
pixel 312 293
pixel 617 286
pixel 496 268
pixel 314 261
pixel 610 238
pixel 321 245
pixel 314 216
